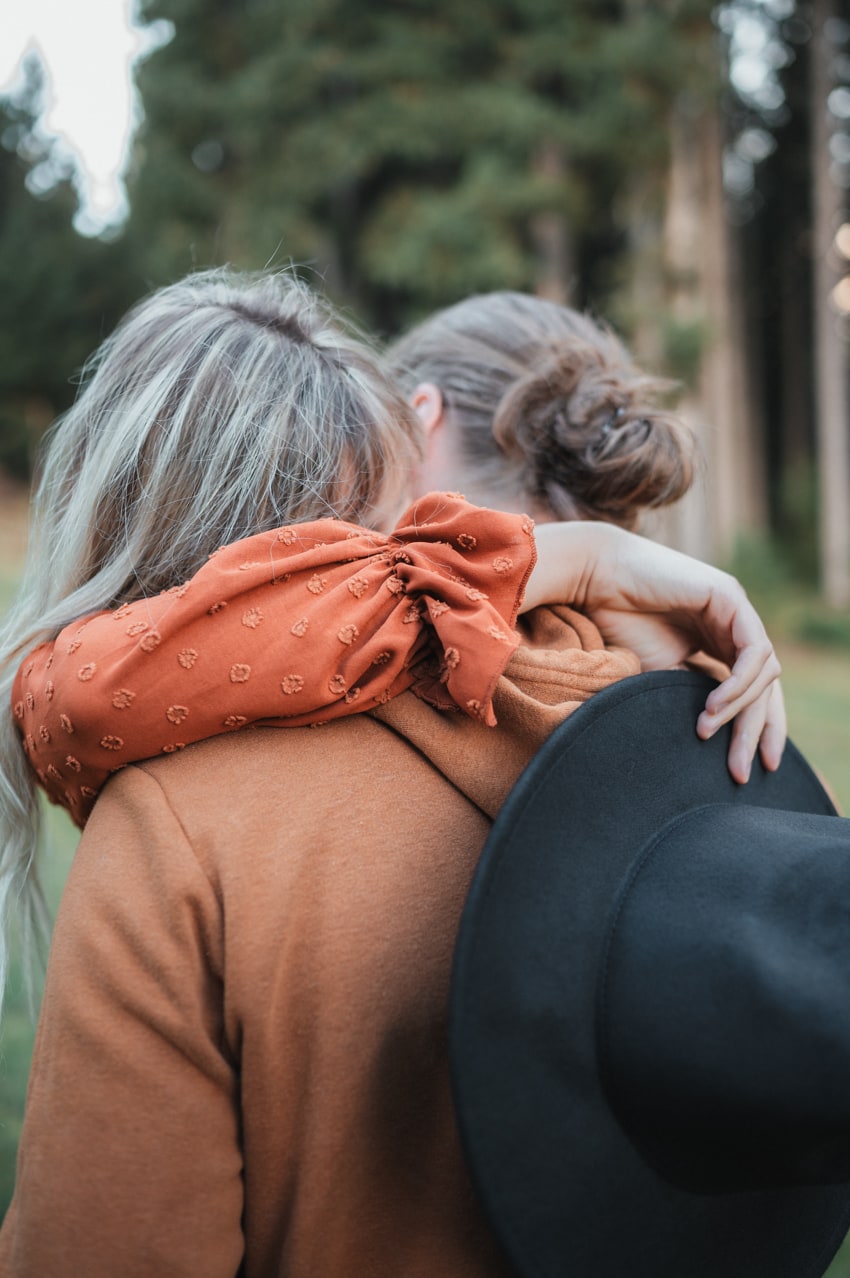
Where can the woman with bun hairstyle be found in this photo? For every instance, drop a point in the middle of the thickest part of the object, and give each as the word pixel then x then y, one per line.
pixel 531 405
pixel 240 1065
pixel 525 405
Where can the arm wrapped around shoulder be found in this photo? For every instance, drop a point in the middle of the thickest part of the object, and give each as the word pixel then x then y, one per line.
pixel 291 627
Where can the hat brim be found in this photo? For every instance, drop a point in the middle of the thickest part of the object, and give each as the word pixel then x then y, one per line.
pixel 564 1189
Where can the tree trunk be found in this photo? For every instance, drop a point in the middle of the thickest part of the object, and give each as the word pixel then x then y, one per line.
pixel 550 232
pixel 704 306
pixel 737 477
pixel 831 363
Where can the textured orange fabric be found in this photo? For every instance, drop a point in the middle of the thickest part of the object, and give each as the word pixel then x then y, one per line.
pixel 561 662
pixel 241 1061
pixel 301 625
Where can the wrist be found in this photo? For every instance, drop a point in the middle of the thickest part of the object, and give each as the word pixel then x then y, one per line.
pixel 569 558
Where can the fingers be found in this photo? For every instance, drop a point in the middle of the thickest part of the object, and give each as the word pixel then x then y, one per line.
pixel 746 734
pixel 761 727
pixel 737 633
pixel 740 638
pixel 775 734
pixel 752 675
pixel 691 606
pixel 751 696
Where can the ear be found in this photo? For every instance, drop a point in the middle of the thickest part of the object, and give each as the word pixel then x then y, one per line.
pixel 427 402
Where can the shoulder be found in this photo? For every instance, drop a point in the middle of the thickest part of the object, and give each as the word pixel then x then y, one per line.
pixel 247 768
pixel 261 788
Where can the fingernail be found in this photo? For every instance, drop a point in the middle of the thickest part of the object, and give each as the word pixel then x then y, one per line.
pixel 706 725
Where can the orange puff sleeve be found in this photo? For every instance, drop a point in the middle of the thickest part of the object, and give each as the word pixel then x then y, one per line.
pixel 291 627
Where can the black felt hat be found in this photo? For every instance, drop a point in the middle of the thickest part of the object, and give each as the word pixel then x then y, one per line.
pixel 650 1013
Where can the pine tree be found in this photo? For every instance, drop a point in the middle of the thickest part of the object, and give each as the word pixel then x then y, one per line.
pixel 832 365
pixel 413 152
pixel 59 293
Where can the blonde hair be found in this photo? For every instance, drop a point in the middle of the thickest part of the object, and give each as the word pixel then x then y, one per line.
pixel 549 406
pixel 222 406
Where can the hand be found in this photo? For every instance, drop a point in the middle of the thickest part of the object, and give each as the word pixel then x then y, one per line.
pixel 668 607
pixel 662 646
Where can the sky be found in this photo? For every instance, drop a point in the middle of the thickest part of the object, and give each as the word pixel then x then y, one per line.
pixel 88 48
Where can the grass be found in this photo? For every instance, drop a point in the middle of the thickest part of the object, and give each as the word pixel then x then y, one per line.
pixel 16 1042
pixel 13 512
pixel 816 680
pixel 814 647
pixel 817 697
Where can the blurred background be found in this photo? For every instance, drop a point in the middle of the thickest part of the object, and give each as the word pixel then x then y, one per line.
pixel 679 167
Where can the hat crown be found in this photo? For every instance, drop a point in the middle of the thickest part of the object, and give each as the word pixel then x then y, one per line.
pixel 723 1010
pixel 559 1171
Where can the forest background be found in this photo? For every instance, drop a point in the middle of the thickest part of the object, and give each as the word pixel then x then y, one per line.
pixel 679 167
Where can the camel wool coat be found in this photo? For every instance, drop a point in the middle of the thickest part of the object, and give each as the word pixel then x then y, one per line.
pixel 241 1062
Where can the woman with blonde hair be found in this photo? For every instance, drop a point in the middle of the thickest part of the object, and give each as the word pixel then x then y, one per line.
pixel 525 405
pixel 240 1064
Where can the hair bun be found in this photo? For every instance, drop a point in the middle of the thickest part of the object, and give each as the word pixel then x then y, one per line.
pixel 585 426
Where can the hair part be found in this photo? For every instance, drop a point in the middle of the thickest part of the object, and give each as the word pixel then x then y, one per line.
pixel 221 406
pixel 550 407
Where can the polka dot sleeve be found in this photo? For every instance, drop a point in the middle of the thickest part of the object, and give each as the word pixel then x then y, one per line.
pixel 296 626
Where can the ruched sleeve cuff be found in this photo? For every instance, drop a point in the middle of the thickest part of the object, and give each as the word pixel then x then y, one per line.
pixel 291 627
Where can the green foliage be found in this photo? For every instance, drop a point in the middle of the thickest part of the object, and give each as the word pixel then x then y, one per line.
pixel 16 1040
pixel 787 597
pixel 763 570
pixel 840 1267
pixel 788 561
pixel 798 504
pixel 828 629
pixel 15 447
pixel 59 293
pixel 683 343
pixel 405 149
